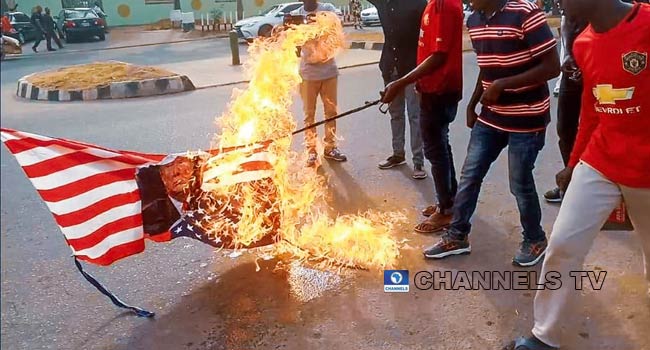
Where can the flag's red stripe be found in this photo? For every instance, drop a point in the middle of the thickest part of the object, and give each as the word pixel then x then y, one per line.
pixel 110 228
pixel 82 215
pixel 63 162
pixel 86 184
pixel 116 253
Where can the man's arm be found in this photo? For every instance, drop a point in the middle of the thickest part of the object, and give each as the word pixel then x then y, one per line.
pixel 547 69
pixel 474 100
pixel 586 127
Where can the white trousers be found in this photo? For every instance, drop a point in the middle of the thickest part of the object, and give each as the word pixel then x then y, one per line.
pixel 587 204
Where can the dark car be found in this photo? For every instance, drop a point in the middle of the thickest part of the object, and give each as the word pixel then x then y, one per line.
pixel 25 30
pixel 79 23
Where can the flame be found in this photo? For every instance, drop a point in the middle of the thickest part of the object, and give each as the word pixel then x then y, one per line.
pixel 260 113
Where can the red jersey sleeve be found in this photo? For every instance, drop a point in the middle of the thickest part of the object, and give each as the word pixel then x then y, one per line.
pixel 586 126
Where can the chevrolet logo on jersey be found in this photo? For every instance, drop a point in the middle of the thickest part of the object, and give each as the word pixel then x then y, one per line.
pixel 606 94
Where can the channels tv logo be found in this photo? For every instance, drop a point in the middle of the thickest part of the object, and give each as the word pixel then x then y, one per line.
pixel 396 281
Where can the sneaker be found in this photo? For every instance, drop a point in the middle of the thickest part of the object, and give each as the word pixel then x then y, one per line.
pixel 419 173
pixel 554 196
pixel 392 162
pixel 446 246
pixel 34 49
pixel 312 159
pixel 437 222
pixel 530 253
pixel 530 343
pixel 335 154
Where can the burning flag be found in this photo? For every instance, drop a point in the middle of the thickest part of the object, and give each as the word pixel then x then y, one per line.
pixel 250 190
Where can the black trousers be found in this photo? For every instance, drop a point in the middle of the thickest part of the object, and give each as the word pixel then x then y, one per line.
pixel 52 35
pixel 568 114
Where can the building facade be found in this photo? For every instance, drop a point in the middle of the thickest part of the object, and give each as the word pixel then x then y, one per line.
pixel 138 12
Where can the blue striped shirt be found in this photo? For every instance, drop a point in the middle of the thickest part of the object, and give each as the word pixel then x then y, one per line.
pixel 509 43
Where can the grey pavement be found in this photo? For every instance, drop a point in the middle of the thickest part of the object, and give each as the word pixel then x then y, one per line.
pixel 205 300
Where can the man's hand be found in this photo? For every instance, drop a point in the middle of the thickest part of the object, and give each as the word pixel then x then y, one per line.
pixel 391 91
pixel 492 93
pixel 471 116
pixel 563 178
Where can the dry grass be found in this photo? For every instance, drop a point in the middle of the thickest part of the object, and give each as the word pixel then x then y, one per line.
pixel 92 75
pixel 163 24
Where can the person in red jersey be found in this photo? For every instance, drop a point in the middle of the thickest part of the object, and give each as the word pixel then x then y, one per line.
pixel 610 160
pixel 439 79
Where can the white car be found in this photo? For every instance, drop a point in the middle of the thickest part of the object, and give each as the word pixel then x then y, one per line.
pixel 263 25
pixel 370 16
pixel 467 11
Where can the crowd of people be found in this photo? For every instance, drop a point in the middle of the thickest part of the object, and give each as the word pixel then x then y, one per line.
pixel 603 122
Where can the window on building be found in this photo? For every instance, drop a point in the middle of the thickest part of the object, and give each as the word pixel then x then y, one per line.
pixel 156 2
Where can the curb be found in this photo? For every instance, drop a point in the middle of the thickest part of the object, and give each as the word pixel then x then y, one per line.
pixel 365 45
pixel 117 90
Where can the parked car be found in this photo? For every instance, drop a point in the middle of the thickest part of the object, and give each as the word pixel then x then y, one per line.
pixel 262 25
pixel 370 16
pixel 79 23
pixel 24 29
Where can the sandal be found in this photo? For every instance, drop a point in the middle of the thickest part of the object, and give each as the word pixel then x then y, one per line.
pixel 434 223
pixel 430 210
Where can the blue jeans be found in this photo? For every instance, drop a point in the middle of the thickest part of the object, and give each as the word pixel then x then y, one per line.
pixel 436 113
pixel 485 145
pixel 408 100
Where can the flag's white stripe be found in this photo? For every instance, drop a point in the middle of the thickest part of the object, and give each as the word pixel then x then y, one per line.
pixel 22 135
pixel 85 228
pixel 111 241
pixel 76 173
pixel 93 196
pixel 228 167
pixel 239 178
pixel 7 136
pixel 40 154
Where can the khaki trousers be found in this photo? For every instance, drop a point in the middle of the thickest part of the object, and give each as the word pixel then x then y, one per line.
pixel 309 92
pixel 587 204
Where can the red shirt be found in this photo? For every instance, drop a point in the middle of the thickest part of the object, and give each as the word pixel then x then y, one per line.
pixel 614 130
pixel 441 30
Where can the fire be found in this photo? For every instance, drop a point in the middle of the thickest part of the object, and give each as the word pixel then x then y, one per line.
pixel 261 113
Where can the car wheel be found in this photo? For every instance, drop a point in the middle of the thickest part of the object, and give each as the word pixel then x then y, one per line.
pixel 67 37
pixel 102 37
pixel 265 31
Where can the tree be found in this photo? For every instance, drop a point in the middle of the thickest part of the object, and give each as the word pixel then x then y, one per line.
pixel 240 9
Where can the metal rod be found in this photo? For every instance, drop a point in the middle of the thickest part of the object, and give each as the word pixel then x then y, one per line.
pixel 358 109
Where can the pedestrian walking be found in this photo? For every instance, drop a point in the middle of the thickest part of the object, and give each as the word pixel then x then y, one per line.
pixel 516 53
pixel 609 161
pixel 355 10
pixel 50 31
pixel 319 79
pixel 37 22
pixel 400 21
pixel 439 77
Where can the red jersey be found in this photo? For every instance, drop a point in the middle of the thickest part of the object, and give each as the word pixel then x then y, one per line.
pixel 614 130
pixel 441 30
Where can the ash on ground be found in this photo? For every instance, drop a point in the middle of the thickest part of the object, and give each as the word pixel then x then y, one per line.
pixel 307 283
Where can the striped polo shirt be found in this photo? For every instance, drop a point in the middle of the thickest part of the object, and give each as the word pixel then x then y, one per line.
pixel 508 43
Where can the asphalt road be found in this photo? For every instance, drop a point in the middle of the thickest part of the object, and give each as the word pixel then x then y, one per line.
pixel 205 300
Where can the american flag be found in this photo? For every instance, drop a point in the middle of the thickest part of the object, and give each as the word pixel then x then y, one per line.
pixel 93 194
